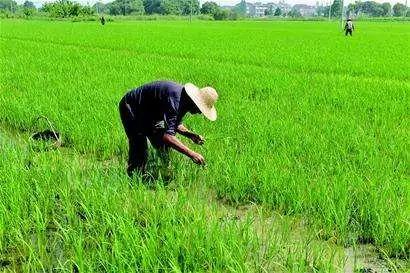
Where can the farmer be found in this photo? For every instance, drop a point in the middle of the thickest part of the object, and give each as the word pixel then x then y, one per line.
pixel 155 111
pixel 349 27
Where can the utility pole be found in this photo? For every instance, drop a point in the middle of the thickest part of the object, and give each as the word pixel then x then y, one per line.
pixel 341 16
pixel 330 8
pixel 190 13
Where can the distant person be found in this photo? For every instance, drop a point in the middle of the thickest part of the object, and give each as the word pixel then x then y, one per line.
pixel 155 111
pixel 102 20
pixel 349 27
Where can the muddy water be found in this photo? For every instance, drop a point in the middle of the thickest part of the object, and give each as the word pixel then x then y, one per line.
pixel 365 259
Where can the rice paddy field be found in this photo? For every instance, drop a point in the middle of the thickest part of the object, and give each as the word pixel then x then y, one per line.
pixel 307 163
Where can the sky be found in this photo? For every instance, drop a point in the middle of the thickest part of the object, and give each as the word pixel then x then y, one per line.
pixel 230 2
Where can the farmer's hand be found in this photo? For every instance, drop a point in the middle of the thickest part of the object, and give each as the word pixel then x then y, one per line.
pixel 197 158
pixel 197 139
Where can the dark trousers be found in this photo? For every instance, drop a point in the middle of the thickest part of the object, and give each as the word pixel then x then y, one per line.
pixel 349 31
pixel 137 141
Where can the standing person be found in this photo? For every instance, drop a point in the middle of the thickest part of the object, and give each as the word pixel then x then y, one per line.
pixel 155 111
pixel 102 20
pixel 349 27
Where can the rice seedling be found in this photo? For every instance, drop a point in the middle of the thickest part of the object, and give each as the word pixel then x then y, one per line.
pixel 311 125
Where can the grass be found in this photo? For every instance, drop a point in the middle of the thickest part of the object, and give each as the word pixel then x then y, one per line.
pixel 311 124
pixel 65 212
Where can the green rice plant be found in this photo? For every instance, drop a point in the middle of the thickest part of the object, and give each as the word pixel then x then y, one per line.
pixel 311 124
pixel 65 213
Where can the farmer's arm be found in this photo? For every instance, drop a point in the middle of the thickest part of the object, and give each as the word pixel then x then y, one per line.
pixel 182 130
pixel 176 144
pixel 169 138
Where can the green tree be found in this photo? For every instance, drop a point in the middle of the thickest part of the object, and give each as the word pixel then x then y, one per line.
pixel 29 5
pixel 28 8
pixel 9 5
pixel 65 8
pixel 294 13
pixel 399 9
pixel 100 7
pixel 221 14
pixel 269 11
pixel 125 7
pixel 240 8
pixel 372 8
pixel 336 8
pixel 152 6
pixel 177 7
pixel 351 9
pixel 355 8
pixel 113 8
pixel 233 15
pixel 170 7
pixel 278 12
pixel 189 6
pixel 209 8
pixel 386 7
pixel 86 10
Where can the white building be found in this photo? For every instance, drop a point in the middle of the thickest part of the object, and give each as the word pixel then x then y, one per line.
pixel 305 10
pixel 258 9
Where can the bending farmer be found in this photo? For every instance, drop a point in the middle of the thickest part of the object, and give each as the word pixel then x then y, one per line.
pixel 155 111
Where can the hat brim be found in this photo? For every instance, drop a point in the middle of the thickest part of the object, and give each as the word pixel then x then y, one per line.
pixel 194 93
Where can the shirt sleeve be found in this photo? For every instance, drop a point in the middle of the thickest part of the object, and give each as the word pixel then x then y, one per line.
pixel 171 116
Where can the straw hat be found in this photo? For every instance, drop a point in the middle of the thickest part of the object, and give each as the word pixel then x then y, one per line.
pixel 204 99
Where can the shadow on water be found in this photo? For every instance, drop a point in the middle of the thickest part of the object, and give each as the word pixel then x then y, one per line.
pixel 365 258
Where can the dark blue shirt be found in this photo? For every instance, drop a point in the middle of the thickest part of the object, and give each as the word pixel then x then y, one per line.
pixel 157 103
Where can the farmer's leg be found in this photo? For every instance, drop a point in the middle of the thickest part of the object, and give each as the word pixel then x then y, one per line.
pixel 137 154
pixel 127 118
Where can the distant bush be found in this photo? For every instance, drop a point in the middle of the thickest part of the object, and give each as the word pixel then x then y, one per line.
pixel 3 14
pixel 29 11
pixel 65 8
pixel 221 14
pixel 84 18
pixel 159 17
pixel 218 13
pixel 205 17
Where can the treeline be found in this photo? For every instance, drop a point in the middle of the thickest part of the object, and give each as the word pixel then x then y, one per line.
pixel 365 9
pixel 138 7
pixel 374 9
pixel 67 8
pixel 11 6
pixel 60 9
pixel 165 7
